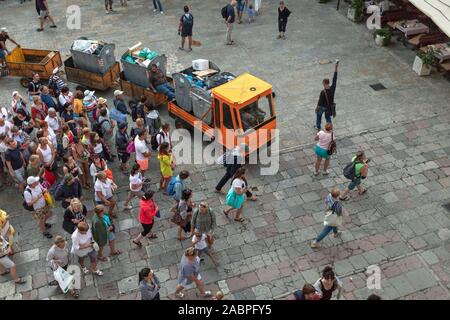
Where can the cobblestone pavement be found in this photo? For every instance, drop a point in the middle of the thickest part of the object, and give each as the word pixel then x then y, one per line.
pixel 401 224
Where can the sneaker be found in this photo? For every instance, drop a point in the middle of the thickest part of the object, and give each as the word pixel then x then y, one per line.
pixel 128 207
pixel 107 11
pixel 39 30
pixel 179 295
pixel 85 270
pixel 325 173
pixel 48 226
pixel 47 235
pixel 335 235
pixel 154 10
pixel 53 26
pixel 202 259
pixel 162 12
pixel 98 272
pixel 314 245
pixel 316 173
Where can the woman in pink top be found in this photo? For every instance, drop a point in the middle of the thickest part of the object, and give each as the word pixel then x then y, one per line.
pixel 323 139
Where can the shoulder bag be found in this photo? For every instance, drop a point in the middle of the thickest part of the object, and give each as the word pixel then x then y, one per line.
pixel 332 107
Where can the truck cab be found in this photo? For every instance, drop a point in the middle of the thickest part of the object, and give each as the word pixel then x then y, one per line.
pixel 230 110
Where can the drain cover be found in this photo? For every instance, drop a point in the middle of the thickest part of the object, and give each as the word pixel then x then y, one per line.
pixel 377 86
pixel 446 206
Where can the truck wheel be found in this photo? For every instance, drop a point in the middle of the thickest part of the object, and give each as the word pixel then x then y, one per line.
pixel 24 82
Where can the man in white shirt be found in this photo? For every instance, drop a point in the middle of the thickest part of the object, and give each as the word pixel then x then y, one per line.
pixel 104 193
pixel 164 136
pixel 142 151
pixel 34 197
pixel 53 120
pixel 65 97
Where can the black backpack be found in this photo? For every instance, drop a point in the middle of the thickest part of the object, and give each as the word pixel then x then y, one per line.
pixel 97 127
pixel 350 171
pixel 188 21
pixel 25 204
pixel 224 12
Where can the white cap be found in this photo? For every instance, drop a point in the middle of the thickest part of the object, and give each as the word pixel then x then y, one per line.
pixel 32 180
pixel 14 93
pixel 4 29
pixel 56 70
pixel 117 93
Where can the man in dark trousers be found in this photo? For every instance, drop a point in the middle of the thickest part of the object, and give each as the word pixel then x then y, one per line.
pixel 283 15
pixel 326 99
pixel 230 17
pixel 232 161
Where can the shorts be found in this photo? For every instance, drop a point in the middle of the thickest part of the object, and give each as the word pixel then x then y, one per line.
pixel 44 14
pixel 101 202
pixel 111 236
pixel 92 256
pixel 2 54
pixel 110 2
pixel 123 157
pixel 186 32
pixel 20 175
pixel 143 164
pixel 40 214
pixel 203 251
pixel 6 262
pixel 355 182
pixel 240 6
pixel 322 153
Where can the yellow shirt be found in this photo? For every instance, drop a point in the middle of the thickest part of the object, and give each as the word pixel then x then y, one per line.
pixel 165 163
pixel 77 106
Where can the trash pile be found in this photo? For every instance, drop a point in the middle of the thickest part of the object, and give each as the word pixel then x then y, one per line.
pixel 140 56
pixel 88 46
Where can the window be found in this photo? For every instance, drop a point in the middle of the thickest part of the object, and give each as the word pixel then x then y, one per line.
pixel 217 113
pixel 257 112
pixel 227 120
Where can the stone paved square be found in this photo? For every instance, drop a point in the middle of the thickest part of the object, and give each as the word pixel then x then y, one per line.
pixel 400 225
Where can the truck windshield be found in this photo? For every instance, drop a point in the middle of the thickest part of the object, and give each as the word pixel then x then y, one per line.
pixel 256 112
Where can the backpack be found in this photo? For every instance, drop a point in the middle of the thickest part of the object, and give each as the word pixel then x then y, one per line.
pixel 224 12
pixel 171 186
pixel 97 127
pixel 188 21
pixel 154 141
pixel 133 107
pixel 195 216
pixel 25 204
pixel 350 171
pixel 157 123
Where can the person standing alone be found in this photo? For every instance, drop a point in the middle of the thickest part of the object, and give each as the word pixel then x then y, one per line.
pixel 185 28
pixel 229 15
pixel 44 12
pixel 326 99
pixel 283 15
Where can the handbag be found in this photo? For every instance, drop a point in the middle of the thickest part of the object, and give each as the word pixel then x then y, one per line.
pixel 332 106
pixel 332 219
pixel 177 218
pixel 332 146
pixel 65 279
pixel 130 147
pixel 49 199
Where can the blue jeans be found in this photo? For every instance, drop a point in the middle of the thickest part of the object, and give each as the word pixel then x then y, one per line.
pixel 355 182
pixel 157 5
pixel 166 89
pixel 326 230
pixel 319 113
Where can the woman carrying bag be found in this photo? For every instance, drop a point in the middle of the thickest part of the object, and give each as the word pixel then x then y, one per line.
pixel 236 195
pixel 74 214
pixel 333 217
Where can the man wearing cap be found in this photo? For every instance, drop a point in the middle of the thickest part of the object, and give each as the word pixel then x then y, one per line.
pixel 17 102
pixel 3 50
pixel 119 102
pixel 158 82
pixel 90 105
pixel 56 83
pixel 68 190
pixel 122 140
pixel 34 197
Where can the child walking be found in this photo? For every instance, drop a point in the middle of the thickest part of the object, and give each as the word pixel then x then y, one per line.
pixel 251 13
pixel 199 242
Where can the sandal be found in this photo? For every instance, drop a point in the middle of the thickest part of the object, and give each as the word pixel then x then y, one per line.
pixel 225 213
pixel 362 192
pixel 344 198
pixel 138 243
pixel 102 259
pixel 20 281
pixel 179 295
pixel 152 236
pixel 5 273
pixel 116 253
pixel 75 293
pixel 85 270
pixel 239 220
pixel 98 272
pixel 207 293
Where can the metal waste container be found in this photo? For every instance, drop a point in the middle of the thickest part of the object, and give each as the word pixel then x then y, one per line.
pixel 137 74
pixel 96 63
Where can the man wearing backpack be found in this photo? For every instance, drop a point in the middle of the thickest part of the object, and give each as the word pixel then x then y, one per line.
pixel 177 185
pixel 355 171
pixel 164 136
pixel 185 28
pixel 69 189
pixel 106 127
pixel 34 201
pixel 229 15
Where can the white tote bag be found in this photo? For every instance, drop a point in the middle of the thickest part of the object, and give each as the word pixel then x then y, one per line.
pixel 64 279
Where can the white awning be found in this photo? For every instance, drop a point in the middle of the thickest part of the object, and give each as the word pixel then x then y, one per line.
pixel 437 10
